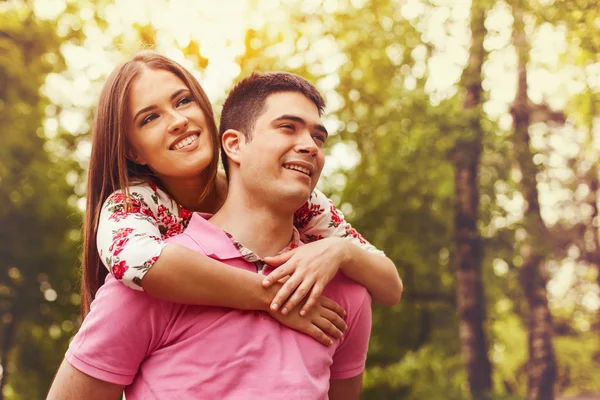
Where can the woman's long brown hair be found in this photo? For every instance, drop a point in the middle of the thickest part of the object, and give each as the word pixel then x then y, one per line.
pixel 109 168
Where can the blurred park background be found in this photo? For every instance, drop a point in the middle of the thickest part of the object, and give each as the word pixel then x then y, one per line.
pixel 466 140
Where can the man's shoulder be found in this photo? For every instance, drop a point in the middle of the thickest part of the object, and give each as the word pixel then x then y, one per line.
pixel 346 292
pixel 341 282
pixel 203 236
pixel 350 355
pixel 185 239
pixel 115 301
pixel 113 290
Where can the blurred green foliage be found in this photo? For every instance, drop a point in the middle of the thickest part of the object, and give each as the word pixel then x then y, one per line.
pixel 39 230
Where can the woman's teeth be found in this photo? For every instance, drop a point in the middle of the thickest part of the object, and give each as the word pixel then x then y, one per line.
pixel 185 142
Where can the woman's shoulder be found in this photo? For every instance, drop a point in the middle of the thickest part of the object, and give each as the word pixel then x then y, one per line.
pixel 142 192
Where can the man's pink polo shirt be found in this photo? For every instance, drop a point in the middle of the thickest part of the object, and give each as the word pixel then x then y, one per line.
pixel 163 350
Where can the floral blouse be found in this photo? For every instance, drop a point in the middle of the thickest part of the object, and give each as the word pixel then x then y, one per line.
pixel 129 243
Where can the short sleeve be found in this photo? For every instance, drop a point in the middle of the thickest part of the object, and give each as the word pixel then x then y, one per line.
pixel 104 346
pixel 350 357
pixel 318 218
pixel 130 240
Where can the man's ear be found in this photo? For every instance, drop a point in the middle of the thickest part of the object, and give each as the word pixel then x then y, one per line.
pixel 132 155
pixel 232 143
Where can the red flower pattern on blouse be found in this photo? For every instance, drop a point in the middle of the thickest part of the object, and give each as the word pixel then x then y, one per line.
pixel 168 223
pixel 148 263
pixel 116 198
pixel 336 219
pixel 313 238
pixel 118 210
pixel 352 232
pixel 119 240
pixel 152 260
pixel 185 216
pixel 119 269
pixel 306 213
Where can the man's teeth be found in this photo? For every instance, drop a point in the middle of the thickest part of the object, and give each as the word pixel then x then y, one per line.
pixel 185 142
pixel 298 168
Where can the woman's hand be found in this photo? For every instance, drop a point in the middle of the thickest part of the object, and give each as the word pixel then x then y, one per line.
pixel 320 322
pixel 310 268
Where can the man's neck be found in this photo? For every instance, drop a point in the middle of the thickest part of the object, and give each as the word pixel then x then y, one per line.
pixel 257 225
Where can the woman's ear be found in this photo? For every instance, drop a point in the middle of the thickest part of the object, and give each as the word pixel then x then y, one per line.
pixel 232 142
pixel 133 156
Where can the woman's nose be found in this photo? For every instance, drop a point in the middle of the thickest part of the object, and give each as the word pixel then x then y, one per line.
pixel 178 122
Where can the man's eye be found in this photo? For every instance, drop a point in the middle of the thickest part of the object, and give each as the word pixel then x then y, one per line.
pixel 287 126
pixel 149 118
pixel 320 138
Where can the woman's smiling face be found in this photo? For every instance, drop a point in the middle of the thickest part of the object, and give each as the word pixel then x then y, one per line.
pixel 167 130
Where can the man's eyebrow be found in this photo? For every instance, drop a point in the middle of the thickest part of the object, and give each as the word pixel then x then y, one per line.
pixel 299 120
pixel 145 109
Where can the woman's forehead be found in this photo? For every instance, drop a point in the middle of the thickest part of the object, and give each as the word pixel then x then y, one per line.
pixel 152 83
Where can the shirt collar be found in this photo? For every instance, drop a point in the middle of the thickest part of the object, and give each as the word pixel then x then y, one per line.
pixel 219 244
pixel 251 256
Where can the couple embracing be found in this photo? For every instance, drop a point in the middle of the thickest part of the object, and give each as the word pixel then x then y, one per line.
pixel 198 283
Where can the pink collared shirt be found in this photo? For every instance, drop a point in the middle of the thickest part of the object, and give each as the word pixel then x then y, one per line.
pixel 198 352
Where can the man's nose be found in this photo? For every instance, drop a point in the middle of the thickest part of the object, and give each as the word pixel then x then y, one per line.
pixel 306 145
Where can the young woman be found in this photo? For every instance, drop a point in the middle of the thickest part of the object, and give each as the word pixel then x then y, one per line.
pixel 145 179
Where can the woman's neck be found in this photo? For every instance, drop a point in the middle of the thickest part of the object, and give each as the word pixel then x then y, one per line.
pixel 187 194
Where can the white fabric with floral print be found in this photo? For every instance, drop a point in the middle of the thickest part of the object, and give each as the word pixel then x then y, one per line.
pixel 130 242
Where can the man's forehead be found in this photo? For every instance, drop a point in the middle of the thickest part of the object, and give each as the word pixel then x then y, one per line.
pixel 288 103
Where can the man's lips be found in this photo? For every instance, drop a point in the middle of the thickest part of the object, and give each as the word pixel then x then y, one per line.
pixel 300 166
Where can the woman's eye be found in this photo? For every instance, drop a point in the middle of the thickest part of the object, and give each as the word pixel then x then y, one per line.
pixel 184 100
pixel 149 118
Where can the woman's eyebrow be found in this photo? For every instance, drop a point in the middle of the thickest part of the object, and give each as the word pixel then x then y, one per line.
pixel 149 108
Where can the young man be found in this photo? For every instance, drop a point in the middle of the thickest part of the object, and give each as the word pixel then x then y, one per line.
pixel 273 161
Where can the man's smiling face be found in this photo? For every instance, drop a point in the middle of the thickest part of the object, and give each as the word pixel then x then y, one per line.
pixel 284 157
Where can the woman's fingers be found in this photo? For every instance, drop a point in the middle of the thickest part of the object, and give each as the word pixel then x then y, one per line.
pixel 284 293
pixel 278 274
pixel 298 295
pixel 280 259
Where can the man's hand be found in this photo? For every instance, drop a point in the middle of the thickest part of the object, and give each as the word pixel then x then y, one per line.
pixel 322 320
pixel 309 268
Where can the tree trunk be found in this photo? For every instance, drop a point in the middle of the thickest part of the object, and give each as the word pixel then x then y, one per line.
pixel 469 247
pixel 541 366
pixel 594 256
pixel 7 342
pixel 592 180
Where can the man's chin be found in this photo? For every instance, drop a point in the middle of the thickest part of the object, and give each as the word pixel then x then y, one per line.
pixel 295 198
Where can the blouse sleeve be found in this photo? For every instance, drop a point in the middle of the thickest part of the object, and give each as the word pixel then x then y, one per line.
pixel 129 242
pixel 318 218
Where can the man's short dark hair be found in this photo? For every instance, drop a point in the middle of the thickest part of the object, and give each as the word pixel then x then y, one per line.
pixel 245 103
